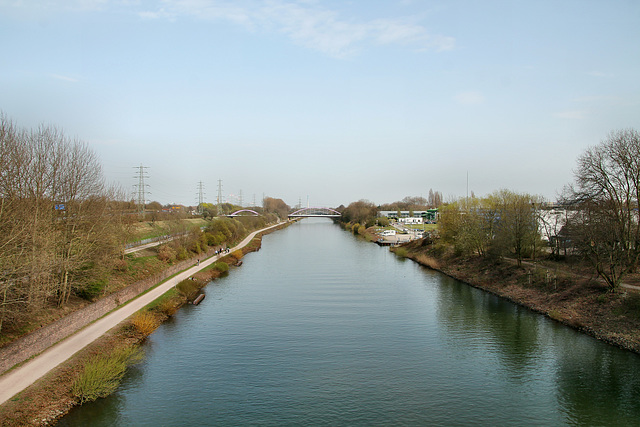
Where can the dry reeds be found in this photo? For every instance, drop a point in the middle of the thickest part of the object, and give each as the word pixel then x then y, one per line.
pixel 145 322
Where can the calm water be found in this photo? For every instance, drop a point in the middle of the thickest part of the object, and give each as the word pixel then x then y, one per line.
pixel 320 328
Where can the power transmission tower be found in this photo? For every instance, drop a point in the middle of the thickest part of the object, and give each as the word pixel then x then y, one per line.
pixel 240 198
pixel 141 174
pixel 200 197
pixel 219 201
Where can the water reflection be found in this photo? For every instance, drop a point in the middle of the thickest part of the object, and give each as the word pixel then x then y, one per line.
pixel 593 383
pixel 474 318
pixel 596 384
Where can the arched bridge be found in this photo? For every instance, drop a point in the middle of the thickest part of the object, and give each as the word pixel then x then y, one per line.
pixel 244 212
pixel 315 212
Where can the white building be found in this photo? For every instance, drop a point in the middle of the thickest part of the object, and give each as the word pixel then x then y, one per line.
pixel 551 221
pixel 430 215
pixel 412 220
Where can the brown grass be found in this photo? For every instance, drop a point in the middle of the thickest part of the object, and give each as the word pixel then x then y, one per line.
pixel 427 261
pixel 145 322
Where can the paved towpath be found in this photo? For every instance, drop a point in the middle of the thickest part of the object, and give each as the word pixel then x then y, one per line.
pixel 146 246
pixel 16 380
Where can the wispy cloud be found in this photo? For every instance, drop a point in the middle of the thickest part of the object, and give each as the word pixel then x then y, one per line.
pixel 307 24
pixel 157 14
pixel 238 12
pixel 64 78
pixel 571 114
pixel 470 98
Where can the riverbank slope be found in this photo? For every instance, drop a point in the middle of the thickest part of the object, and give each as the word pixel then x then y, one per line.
pixel 553 289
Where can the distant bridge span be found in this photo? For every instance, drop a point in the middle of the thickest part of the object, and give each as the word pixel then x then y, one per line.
pixel 315 212
pixel 238 213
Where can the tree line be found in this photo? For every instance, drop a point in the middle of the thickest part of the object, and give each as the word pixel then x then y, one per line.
pixel 58 231
pixel 600 223
pixel 63 230
pixel 600 226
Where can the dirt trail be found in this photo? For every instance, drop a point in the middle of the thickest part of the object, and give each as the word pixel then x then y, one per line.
pixel 16 380
pixel 583 276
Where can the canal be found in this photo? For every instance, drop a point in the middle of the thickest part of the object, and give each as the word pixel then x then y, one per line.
pixel 322 328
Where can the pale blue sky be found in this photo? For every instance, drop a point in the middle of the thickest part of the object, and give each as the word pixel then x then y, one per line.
pixel 334 100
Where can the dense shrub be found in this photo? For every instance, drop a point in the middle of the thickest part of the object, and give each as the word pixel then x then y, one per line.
pixel 401 252
pixel 237 254
pixel 632 304
pixel 222 267
pixel 182 253
pixel 168 307
pixel 102 374
pixel 203 242
pixel 188 288
pixel 215 238
pixel 166 253
pixel 92 290
pixel 195 248
pixel 145 322
pixel 121 265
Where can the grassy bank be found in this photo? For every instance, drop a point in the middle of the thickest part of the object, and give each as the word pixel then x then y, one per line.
pixel 565 293
pixel 149 229
pixel 96 371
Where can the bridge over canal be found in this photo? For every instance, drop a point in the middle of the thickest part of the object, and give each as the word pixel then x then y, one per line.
pixel 315 212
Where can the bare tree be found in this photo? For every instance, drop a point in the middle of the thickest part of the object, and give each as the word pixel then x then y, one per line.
pixel 469 226
pixel 606 194
pixel 58 227
pixel 81 189
pixel 360 212
pixel 13 231
pixel 517 229
pixel 277 206
pixel 552 222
